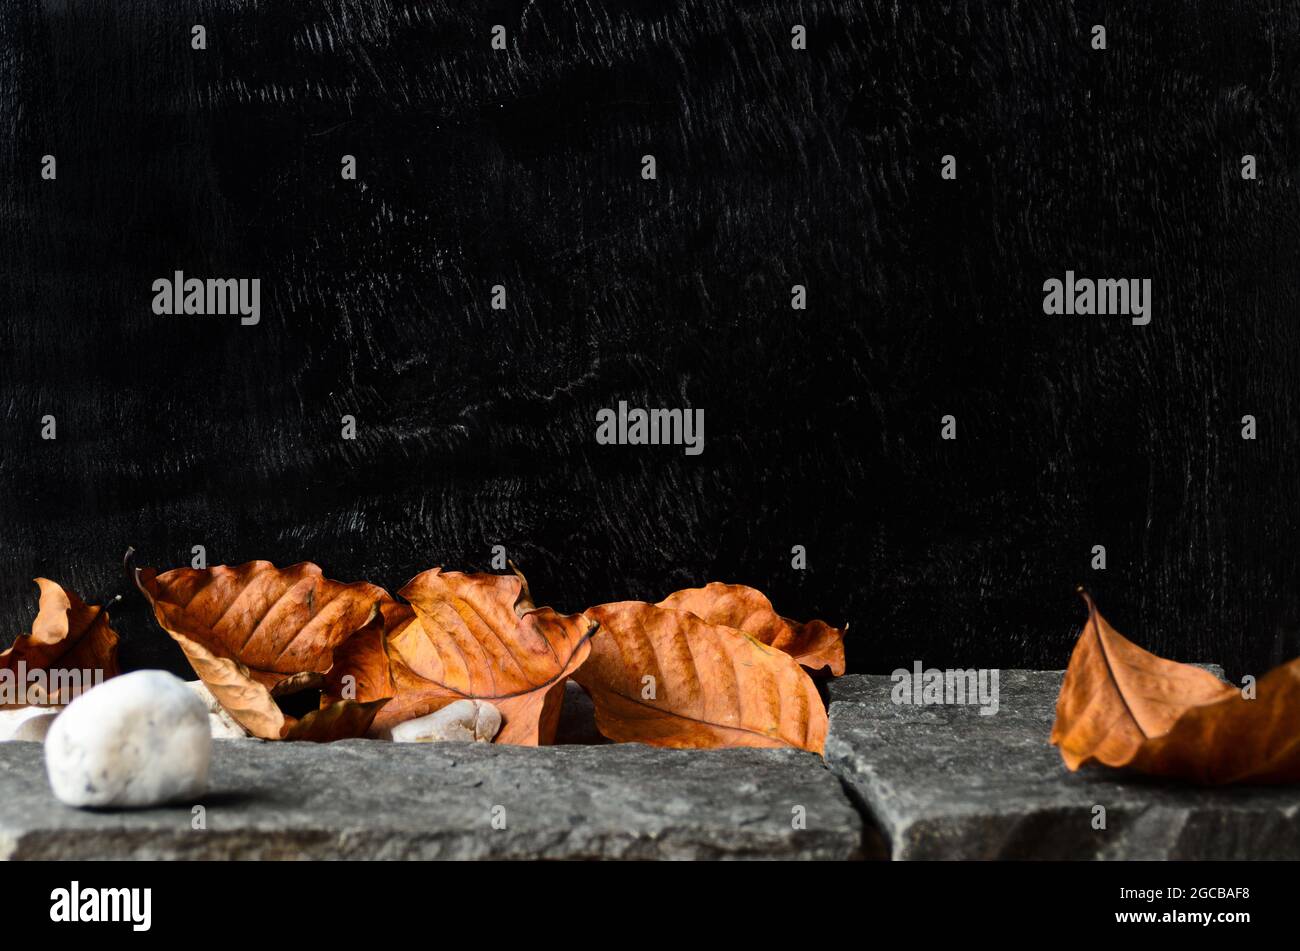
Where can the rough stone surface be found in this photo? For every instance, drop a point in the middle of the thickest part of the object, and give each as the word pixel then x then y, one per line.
pixel 369 799
pixel 468 721
pixel 945 782
pixel 136 740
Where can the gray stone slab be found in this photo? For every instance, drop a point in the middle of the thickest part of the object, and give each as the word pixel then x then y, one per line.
pixel 944 782
pixel 363 799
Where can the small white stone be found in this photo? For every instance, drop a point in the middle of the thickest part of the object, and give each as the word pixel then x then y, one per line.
pixel 12 720
pixel 34 729
pixel 224 726
pixel 470 721
pixel 141 739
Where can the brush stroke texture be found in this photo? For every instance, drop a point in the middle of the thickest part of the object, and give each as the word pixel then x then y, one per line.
pixel 775 168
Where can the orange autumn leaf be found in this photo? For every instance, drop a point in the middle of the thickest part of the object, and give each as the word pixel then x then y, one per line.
pixel 668 678
pixel 466 636
pixel 1122 706
pixel 67 635
pixel 255 632
pixel 815 645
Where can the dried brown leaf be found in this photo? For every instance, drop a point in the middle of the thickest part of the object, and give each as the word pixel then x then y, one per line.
pixel 466 636
pixel 255 632
pixel 1122 706
pixel 67 635
pixel 815 644
pixel 668 678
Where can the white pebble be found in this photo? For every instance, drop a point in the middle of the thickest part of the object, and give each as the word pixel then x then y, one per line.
pixel 35 729
pixel 141 739
pixel 11 721
pixel 470 721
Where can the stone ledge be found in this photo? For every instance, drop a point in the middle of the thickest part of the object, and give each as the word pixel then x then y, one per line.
pixel 363 799
pixel 944 782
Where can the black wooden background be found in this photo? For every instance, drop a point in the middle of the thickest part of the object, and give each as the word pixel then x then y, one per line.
pixel 776 167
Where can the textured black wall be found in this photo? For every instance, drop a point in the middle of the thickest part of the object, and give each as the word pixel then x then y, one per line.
pixel 776 167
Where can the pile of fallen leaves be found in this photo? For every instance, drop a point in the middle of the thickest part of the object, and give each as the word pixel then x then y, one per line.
pixel 706 667
pixel 1122 706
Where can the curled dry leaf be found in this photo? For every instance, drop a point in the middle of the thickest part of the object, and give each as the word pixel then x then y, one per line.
pixel 255 632
pixel 669 678
pixel 815 645
pixel 466 637
pixel 67 635
pixel 1122 706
